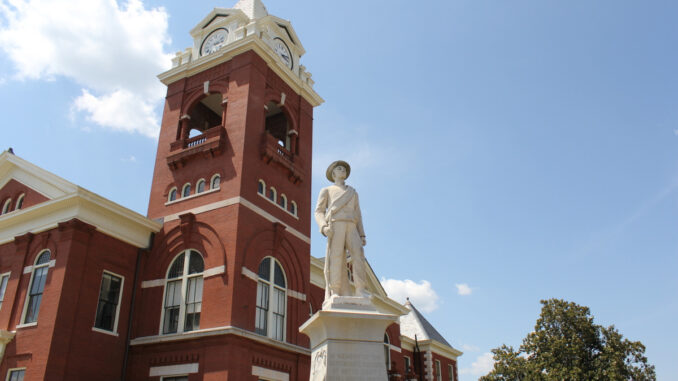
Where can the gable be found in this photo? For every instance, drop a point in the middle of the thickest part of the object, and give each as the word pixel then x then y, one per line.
pixel 14 190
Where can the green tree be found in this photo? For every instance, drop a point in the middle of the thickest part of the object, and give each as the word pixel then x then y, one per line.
pixel 567 346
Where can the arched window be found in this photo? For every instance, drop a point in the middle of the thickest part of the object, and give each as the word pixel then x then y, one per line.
pixel 283 201
pixel 183 293
pixel 387 351
pixel 272 194
pixel 172 194
pixel 6 205
pixel 271 300
pixel 20 201
pixel 38 278
pixel 293 208
pixel 216 182
pixel 278 126
pixel 205 114
pixel 200 186
pixel 261 187
pixel 186 190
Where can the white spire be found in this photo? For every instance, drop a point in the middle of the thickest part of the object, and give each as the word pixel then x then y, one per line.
pixel 254 9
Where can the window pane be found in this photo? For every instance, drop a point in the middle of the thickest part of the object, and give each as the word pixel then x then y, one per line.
pixel 195 263
pixel 215 182
pixel 187 190
pixel 17 375
pixel 279 276
pixel 177 268
pixel 172 307
pixel 265 269
pixel 201 187
pixel 260 188
pixel 108 302
pixel 193 304
pixel 262 308
pixel 44 258
pixel 35 293
pixel 3 287
pixel 278 314
pixel 173 195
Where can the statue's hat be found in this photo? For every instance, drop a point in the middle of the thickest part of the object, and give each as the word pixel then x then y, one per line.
pixel 344 164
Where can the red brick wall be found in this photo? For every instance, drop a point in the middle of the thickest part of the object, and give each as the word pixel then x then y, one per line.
pixel 13 189
pixel 62 346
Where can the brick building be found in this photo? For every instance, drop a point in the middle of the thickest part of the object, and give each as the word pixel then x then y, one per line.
pixel 214 282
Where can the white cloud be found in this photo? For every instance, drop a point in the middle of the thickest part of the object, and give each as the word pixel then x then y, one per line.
pixel 422 295
pixel 482 366
pixel 463 289
pixel 130 159
pixel 469 348
pixel 113 50
pixel 119 110
pixel 675 132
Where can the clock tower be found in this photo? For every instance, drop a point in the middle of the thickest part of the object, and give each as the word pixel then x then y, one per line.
pixel 226 283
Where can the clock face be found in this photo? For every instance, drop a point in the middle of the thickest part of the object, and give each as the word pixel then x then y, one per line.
pixel 283 51
pixel 214 41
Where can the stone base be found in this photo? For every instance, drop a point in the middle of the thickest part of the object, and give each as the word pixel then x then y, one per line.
pixel 347 345
pixel 352 303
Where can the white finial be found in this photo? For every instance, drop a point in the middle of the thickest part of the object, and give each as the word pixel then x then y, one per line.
pixel 254 9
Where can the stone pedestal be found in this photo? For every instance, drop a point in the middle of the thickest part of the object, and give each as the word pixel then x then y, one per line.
pixel 347 340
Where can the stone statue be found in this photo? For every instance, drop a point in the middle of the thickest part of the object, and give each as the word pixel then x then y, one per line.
pixel 338 216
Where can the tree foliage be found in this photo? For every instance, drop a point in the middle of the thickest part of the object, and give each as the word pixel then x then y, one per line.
pixel 567 345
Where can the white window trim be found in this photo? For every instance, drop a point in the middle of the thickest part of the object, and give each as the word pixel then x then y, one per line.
pixel 263 186
pixel 10 370
pixel 7 274
pixel 408 363
pixel 184 283
pixel 278 205
pixel 19 200
pixel 296 209
pixel 6 205
pixel 183 190
pixel 169 195
pixel 275 196
pixel 194 195
pixel 117 308
pixel 271 286
pixel 450 370
pixel 197 186
pixel 28 290
pixel 269 374
pixel 284 200
pixel 439 370
pixel 212 181
pixel 179 370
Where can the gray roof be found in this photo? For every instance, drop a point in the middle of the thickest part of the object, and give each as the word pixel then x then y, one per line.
pixel 414 323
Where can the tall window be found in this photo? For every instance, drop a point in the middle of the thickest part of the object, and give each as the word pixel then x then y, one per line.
pixel 38 278
pixel 272 194
pixel 4 278
pixel 6 205
pixel 283 201
pixel 293 208
pixel 387 351
pixel 200 187
pixel 439 371
pixel 186 190
pixel 408 365
pixel 261 187
pixel 271 300
pixel 16 374
pixel 172 195
pixel 216 182
pixel 183 293
pixel 20 202
pixel 450 372
pixel 109 302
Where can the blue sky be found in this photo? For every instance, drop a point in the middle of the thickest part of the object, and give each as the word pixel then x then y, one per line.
pixel 522 150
